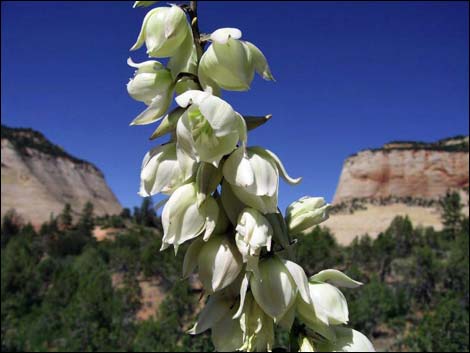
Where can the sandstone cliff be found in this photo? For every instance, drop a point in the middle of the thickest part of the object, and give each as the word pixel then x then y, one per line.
pixel 401 178
pixel 405 169
pixel 39 178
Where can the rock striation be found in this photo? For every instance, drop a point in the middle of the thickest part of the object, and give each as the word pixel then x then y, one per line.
pixel 403 178
pixel 39 178
pixel 406 169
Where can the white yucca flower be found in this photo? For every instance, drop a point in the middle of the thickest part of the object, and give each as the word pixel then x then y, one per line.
pixel 163 172
pixel 153 85
pixel 253 175
pixel 277 285
pixel 230 63
pixel 219 263
pixel 183 219
pixel 327 304
pixel 210 128
pixel 163 31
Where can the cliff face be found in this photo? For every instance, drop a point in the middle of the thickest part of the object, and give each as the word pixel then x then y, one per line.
pixel 405 169
pixel 401 178
pixel 39 178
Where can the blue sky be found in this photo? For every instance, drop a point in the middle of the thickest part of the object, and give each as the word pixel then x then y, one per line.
pixel 350 75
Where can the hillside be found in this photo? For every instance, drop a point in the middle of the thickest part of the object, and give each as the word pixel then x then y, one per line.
pixel 39 178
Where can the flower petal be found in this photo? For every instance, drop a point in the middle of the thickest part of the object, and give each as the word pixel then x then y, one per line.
pixel 222 35
pixel 191 257
pixel 348 340
pixel 211 210
pixel 300 279
pixel 141 38
pixel 329 303
pixel 243 290
pixel 219 114
pixel 216 308
pixel 231 204
pixel 259 61
pixel 207 179
pixel 219 263
pixel 155 111
pixel 227 335
pixel 191 97
pixel 336 278
pixel 278 163
pixel 274 290
pixel 264 204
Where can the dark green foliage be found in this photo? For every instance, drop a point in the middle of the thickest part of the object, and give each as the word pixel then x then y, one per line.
pixel 451 215
pixel 65 218
pixel 59 293
pixel 148 218
pixel 375 303
pixel 125 213
pixel 11 224
pixel 86 223
pixel 318 251
pixel 113 221
pixel 443 330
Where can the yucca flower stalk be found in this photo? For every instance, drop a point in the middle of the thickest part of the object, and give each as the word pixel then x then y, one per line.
pixel 223 194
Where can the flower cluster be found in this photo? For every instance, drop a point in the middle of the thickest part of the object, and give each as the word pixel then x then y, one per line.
pixel 223 194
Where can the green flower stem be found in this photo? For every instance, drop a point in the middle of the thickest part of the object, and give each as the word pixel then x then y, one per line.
pixel 195 28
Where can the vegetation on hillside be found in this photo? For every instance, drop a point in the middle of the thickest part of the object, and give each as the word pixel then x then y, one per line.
pixel 58 294
pixel 461 145
pixel 361 203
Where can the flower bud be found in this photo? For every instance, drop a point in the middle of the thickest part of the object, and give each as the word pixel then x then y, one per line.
pixel 163 30
pixel 210 128
pixel 253 232
pixel 153 85
pixel 304 214
pixel 219 263
pixel 163 172
pixel 230 63
pixel 183 220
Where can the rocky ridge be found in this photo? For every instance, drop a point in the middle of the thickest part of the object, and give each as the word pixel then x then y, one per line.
pixel 38 178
